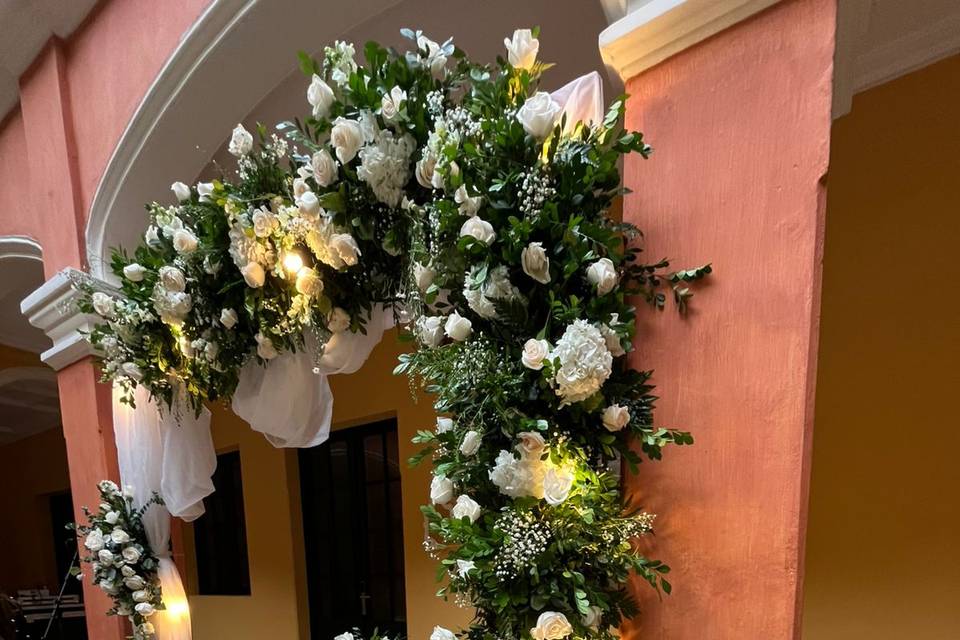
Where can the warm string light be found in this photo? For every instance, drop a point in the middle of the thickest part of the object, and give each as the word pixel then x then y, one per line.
pixel 292 262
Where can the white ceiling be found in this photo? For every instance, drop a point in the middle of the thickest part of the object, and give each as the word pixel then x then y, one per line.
pixel 29 402
pixel 25 27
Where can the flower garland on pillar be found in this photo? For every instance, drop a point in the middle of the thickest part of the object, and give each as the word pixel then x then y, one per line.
pixel 460 195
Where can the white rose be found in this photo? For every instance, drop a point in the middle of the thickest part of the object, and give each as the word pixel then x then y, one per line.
pixel 444 424
pixel 439 633
pixel 145 609
pixel 338 321
pixel 430 330
pixel 466 507
pixel 615 417
pixel 346 247
pixel 300 185
pixel 538 115
pixel 253 274
pixel 128 572
pixel 441 490
pixel 347 138
pixel 457 327
pixel 132 371
pixel 464 567
pixel 324 168
pixel 152 237
pixel 309 205
pixel 205 190
pixel 180 191
pixel 264 223
pixel 131 554
pixel 94 541
pixel 535 262
pixel 479 229
pixel 186 346
pixel 426 167
pixel 391 102
pixel 111 517
pixel 557 483
pixel 172 279
pixel 241 142
pixel 211 350
pixel 134 272
pixel 469 205
pixel 104 305
pixel 228 318
pixel 612 338
pixel 320 96
pixel 344 636
pixel 424 275
pixel 120 536
pixel 602 275
pixel 308 282
pixel 147 629
pixel 471 443
pixel 592 617
pixel 105 556
pixel 109 587
pixel 134 583
pixel 265 348
pixel 522 49
pixel 184 241
pixel 534 353
pixel 551 625
pixel 531 444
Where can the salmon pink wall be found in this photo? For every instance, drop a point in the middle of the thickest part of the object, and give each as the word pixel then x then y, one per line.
pixel 741 128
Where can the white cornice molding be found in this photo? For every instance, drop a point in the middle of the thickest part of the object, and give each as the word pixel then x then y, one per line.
pixel 52 308
pixel 19 248
pixel 863 60
pixel 658 29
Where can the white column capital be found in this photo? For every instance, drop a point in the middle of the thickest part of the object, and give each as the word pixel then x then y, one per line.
pixel 653 30
pixel 52 308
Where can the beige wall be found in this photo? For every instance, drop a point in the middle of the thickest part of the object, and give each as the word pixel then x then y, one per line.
pixel 276 608
pixel 883 548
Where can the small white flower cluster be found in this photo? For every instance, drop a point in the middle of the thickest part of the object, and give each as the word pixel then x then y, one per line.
pixel 123 566
pixel 535 190
pixel 339 61
pixel 497 286
pixel 124 318
pixel 526 539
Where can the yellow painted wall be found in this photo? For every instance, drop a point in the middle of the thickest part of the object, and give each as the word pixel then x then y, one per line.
pixel 31 469
pixel 883 541
pixel 276 608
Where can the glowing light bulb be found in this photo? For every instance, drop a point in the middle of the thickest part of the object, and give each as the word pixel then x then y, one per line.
pixel 178 608
pixel 292 262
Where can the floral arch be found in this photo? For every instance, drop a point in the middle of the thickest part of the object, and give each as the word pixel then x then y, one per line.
pixel 457 200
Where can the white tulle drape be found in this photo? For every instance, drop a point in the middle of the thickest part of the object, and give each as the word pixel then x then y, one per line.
pixel 174 457
pixel 288 402
pixel 581 100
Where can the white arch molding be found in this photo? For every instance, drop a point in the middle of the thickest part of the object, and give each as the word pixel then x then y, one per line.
pixel 20 248
pixel 224 65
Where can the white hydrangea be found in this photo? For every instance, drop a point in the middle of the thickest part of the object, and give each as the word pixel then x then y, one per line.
pixel 385 166
pixel 496 287
pixel 585 362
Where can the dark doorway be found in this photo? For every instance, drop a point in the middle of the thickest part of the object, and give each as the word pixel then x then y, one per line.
pixel 353 532
pixel 64 541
